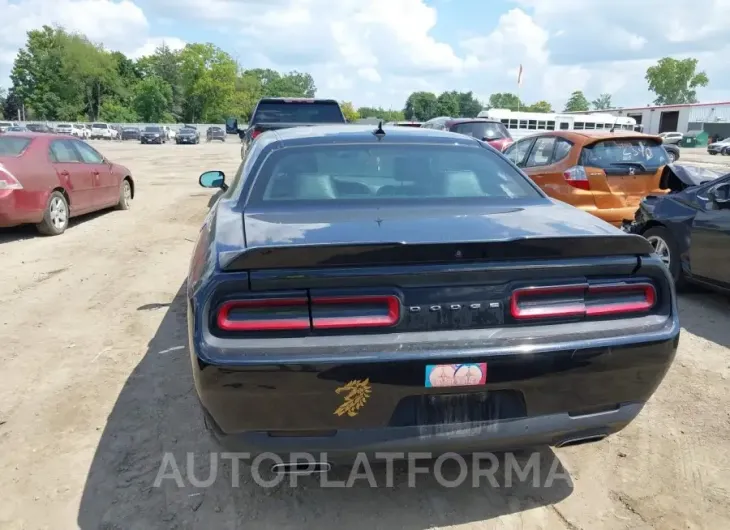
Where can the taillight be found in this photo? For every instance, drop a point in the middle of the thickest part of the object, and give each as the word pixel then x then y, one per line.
pixel 298 313
pixel 8 180
pixel 255 133
pixel 582 300
pixel 576 176
pixel 330 312
pixel 264 314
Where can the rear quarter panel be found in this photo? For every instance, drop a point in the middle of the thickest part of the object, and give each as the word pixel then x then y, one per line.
pixel 36 173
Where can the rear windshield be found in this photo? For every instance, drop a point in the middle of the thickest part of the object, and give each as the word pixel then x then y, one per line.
pixel 625 155
pixel 13 145
pixel 64 125
pixel 216 129
pixel 187 130
pixel 130 129
pixel 99 126
pixel 298 112
pixel 482 130
pixel 5 124
pixel 403 172
pixel 152 129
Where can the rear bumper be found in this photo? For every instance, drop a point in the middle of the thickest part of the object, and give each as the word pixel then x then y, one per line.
pixel 531 396
pixel 614 216
pixel 19 207
pixel 344 445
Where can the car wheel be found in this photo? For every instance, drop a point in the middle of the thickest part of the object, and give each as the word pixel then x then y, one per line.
pixel 666 248
pixel 55 217
pixel 671 157
pixel 125 195
pixel 726 151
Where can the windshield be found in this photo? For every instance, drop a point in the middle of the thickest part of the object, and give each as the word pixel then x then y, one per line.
pixel 130 129
pixel 5 124
pixel 381 173
pixel 625 156
pixel 297 112
pixel 99 126
pixel 187 130
pixel 64 126
pixel 13 145
pixel 482 130
pixel 152 129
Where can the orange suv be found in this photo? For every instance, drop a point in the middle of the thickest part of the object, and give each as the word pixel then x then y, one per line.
pixel 604 173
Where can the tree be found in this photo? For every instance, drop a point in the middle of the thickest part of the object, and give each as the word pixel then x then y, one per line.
pixel 165 64
pixel 577 102
pixel 12 105
pixel 209 81
pixel 505 100
pixel 114 112
pixel 421 106
pixel 602 102
pixel 674 81
pixel 469 106
pixel 379 112
pixel 540 106
pixel 447 104
pixel 349 111
pixel 3 96
pixel 153 99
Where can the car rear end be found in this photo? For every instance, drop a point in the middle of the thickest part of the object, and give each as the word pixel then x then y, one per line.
pixel 460 326
pixel 492 132
pixel 64 128
pixel 23 192
pixel 613 173
pixel 100 131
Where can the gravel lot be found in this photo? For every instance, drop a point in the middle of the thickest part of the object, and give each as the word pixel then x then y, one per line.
pixel 96 388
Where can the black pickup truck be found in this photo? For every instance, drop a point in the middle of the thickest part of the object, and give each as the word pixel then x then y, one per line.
pixel 281 113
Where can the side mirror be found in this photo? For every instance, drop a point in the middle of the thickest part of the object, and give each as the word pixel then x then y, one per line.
pixel 720 195
pixel 213 179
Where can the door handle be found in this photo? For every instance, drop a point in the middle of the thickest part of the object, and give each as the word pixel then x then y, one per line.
pixel 95 173
pixel 64 173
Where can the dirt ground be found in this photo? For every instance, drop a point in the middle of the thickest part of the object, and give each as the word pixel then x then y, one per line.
pixel 96 387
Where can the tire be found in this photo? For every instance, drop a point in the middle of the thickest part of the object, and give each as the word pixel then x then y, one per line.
pixel 125 195
pixel 55 216
pixel 659 235
pixel 671 157
pixel 726 151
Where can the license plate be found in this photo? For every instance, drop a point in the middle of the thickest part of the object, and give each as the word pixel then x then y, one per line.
pixel 450 375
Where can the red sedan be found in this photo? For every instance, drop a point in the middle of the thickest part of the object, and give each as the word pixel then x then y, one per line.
pixel 46 179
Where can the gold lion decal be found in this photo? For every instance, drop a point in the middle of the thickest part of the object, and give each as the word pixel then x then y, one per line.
pixel 358 394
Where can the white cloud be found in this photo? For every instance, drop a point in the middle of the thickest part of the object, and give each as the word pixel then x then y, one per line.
pixel 152 43
pixel 377 52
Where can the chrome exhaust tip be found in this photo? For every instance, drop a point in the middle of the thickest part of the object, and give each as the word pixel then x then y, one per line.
pixel 301 468
pixel 580 440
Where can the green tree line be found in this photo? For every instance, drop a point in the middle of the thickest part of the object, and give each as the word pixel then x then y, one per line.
pixel 63 76
pixel 60 76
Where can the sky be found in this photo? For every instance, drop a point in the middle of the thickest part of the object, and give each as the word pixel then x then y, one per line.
pixel 376 52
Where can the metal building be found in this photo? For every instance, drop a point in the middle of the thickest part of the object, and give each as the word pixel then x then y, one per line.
pixel 713 118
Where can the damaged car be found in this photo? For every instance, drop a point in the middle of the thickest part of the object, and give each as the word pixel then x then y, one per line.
pixel 689 227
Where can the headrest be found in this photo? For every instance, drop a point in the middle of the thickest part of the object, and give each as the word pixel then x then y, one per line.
pixel 314 187
pixel 462 184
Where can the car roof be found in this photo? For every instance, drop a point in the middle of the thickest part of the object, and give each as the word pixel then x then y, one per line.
pixel 296 100
pixel 364 133
pixel 587 137
pixel 471 120
pixel 31 134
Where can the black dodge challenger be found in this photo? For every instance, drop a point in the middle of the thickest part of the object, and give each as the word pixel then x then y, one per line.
pixel 360 289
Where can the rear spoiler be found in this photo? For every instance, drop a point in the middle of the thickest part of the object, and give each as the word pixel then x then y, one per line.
pixel 395 253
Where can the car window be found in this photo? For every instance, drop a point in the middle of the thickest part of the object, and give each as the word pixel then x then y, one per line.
pixel 13 145
pixel 99 126
pixel 298 112
pixel 88 153
pixel 518 151
pixel 481 130
pixel 63 152
pixel 378 173
pixel 542 153
pixel 625 155
pixel 562 149
pixel 152 129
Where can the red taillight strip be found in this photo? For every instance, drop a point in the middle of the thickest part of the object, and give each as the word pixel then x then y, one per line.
pixel 554 311
pixel 365 321
pixel 580 309
pixel 254 134
pixel 622 307
pixel 278 324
